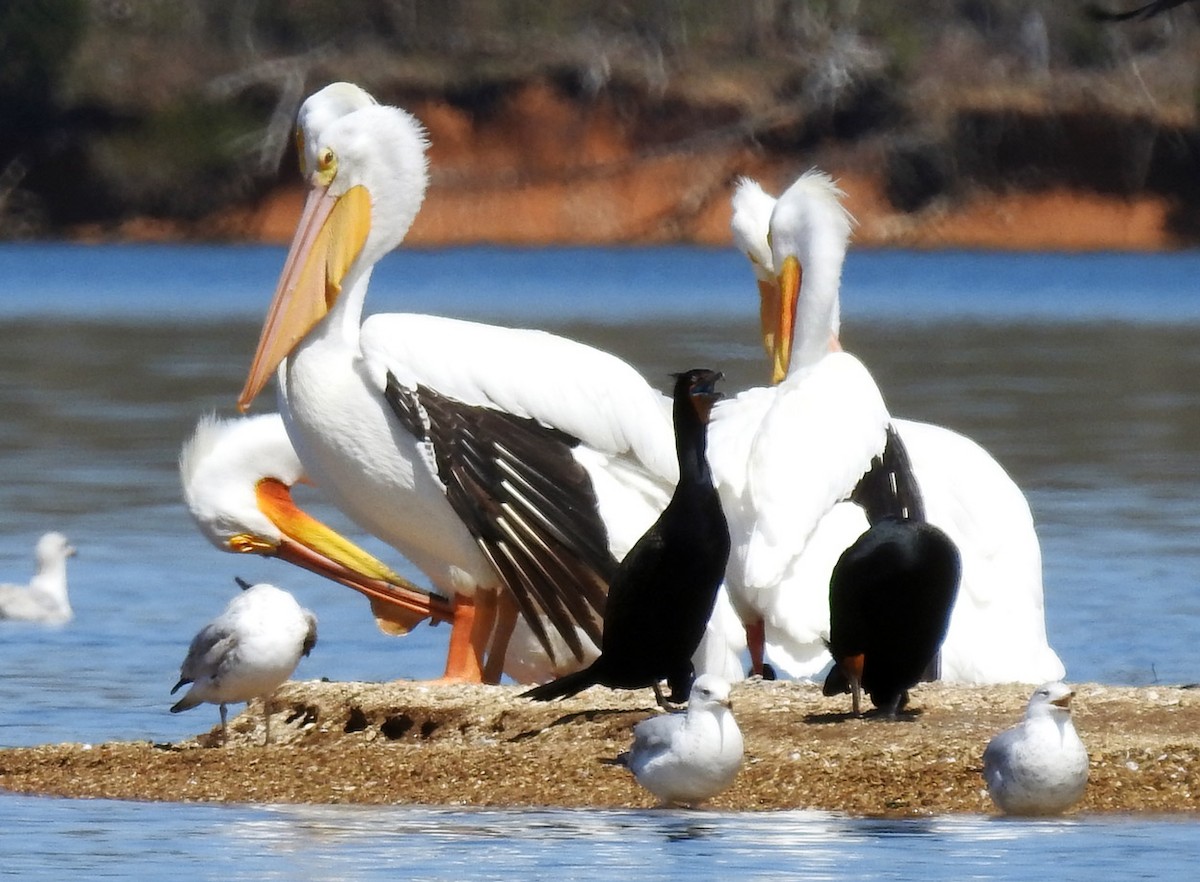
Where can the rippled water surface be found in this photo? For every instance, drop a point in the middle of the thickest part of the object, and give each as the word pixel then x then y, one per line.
pixel 1080 373
pixel 108 839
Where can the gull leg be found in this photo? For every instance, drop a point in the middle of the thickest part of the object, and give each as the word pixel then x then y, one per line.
pixel 224 727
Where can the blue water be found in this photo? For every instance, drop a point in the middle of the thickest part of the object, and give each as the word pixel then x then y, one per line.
pixel 600 284
pixel 1081 373
pixel 127 840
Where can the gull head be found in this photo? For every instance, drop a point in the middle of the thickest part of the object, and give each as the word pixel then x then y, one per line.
pixel 709 692
pixel 51 548
pixel 1050 700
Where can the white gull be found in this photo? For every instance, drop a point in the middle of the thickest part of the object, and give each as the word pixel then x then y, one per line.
pixel 44 599
pixel 1040 766
pixel 686 758
pixel 247 651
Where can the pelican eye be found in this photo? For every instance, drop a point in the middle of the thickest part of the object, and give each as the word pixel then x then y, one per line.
pixel 326 164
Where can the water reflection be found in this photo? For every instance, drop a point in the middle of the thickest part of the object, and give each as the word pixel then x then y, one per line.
pixel 48 838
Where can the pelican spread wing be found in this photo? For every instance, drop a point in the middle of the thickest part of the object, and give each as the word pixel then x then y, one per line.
pixel 527 501
pixel 367 175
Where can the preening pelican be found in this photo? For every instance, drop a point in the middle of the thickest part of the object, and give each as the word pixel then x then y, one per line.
pixel 389 473
pixel 237 477
pixel 786 456
pixel 997 628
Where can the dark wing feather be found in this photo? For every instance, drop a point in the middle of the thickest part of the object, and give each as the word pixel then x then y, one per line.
pixel 529 504
pixel 889 488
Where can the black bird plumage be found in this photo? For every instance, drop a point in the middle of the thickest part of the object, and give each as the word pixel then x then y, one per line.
pixel 662 595
pixel 892 591
pixel 528 503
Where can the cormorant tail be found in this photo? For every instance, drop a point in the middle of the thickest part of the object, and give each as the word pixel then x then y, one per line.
pixel 563 687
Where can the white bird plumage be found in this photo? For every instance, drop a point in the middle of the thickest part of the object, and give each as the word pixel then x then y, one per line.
pixel 247 651
pixel 320 110
pixel 237 476
pixel 221 466
pixel 45 598
pixel 367 183
pixel 236 473
pixel 785 456
pixel 997 629
pixel 1039 766
pixel 687 758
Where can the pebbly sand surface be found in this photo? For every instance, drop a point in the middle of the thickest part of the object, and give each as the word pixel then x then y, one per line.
pixel 414 743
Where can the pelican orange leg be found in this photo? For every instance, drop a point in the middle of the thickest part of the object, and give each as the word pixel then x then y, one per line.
pixel 470 630
pixel 506 620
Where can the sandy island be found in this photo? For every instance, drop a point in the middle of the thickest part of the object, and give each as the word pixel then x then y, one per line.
pixel 411 743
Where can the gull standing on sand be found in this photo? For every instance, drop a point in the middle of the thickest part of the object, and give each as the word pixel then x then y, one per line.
pixel 44 599
pixel 686 758
pixel 247 651
pixel 1040 766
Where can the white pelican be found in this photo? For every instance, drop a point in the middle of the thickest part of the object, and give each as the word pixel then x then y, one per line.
pixel 367 184
pixel 786 456
pixel 997 628
pixel 247 651
pixel 237 476
pixel 44 599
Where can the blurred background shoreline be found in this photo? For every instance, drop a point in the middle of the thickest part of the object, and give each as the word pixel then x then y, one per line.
pixel 1007 124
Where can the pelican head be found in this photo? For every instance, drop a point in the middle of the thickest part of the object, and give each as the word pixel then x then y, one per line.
pixel 237 478
pixel 317 112
pixel 366 184
pixel 797 240
pixel 809 232
pixel 750 224
pixel 223 467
